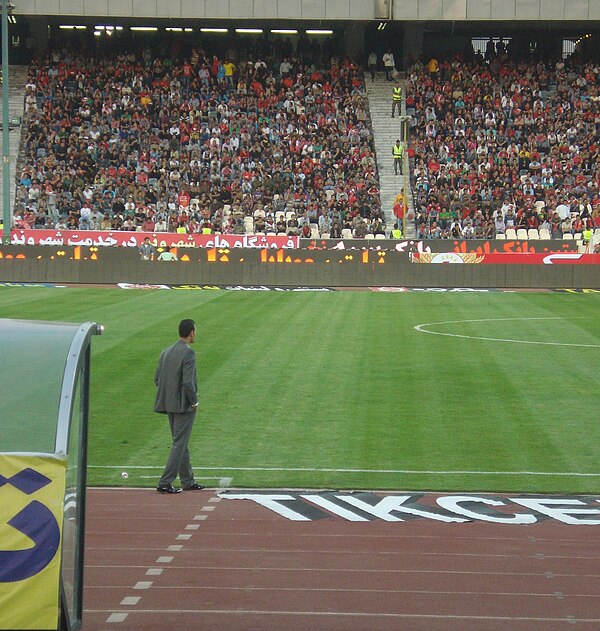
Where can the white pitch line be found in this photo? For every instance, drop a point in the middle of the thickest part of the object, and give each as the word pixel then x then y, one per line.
pixel 394 471
pixel 421 329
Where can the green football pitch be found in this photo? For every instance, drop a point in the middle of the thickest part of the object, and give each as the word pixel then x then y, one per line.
pixel 449 391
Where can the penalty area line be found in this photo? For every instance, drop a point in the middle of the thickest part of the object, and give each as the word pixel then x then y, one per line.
pixel 380 471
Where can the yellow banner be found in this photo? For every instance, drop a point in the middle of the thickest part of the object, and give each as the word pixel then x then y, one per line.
pixel 32 490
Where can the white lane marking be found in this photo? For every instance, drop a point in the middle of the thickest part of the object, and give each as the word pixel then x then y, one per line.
pixel 354 614
pixel 130 600
pixel 421 328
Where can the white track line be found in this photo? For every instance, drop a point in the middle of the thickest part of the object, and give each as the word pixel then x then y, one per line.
pixel 421 329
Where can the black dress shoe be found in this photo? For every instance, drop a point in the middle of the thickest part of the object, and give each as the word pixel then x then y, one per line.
pixel 194 487
pixel 167 489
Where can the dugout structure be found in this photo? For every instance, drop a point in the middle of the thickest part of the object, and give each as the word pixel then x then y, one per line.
pixel 45 371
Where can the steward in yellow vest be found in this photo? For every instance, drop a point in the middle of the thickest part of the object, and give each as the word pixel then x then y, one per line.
pixel 397 99
pixel 396 232
pixel 397 153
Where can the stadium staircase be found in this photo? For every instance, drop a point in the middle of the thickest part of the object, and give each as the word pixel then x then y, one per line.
pixel 17 77
pixel 386 130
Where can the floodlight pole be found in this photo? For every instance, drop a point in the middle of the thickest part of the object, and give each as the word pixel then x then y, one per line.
pixel 5 129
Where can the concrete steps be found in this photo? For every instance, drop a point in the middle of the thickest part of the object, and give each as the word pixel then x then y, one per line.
pixel 17 76
pixel 386 130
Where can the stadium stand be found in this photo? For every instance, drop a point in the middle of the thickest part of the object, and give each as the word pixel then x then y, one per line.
pixel 126 141
pixel 505 148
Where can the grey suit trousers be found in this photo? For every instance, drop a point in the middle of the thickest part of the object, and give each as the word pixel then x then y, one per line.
pixel 178 463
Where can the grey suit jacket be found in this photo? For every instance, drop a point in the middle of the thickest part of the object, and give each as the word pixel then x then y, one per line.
pixel 175 379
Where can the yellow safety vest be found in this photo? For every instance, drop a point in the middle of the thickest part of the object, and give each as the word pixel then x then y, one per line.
pixel 397 94
pixel 398 151
pixel 397 234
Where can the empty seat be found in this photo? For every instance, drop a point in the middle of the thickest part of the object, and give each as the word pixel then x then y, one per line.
pixel 568 235
pixel 346 233
pixel 545 234
pixel 533 233
pixel 521 234
pixel 511 233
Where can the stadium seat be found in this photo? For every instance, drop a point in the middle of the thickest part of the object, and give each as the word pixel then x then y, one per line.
pixel 521 234
pixel 578 236
pixel 533 233
pixel 500 236
pixel 567 236
pixel 511 233
pixel 346 233
pixel 545 234
pixel 379 236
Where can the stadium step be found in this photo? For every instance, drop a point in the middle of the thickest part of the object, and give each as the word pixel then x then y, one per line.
pixel 17 77
pixel 386 130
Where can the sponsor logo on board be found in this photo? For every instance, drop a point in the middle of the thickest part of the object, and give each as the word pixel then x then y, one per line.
pixel 452 508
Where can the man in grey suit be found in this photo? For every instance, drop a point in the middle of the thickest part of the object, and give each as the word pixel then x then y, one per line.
pixel 177 397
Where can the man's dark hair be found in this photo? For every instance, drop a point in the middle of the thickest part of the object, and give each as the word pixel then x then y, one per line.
pixel 186 327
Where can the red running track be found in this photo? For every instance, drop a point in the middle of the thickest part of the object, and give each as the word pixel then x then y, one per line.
pixel 193 561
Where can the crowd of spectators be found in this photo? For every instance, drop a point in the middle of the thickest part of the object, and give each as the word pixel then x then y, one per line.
pixel 502 145
pixel 137 141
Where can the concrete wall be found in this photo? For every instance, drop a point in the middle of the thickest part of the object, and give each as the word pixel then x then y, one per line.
pixel 450 10
pixel 509 10
pixel 193 9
